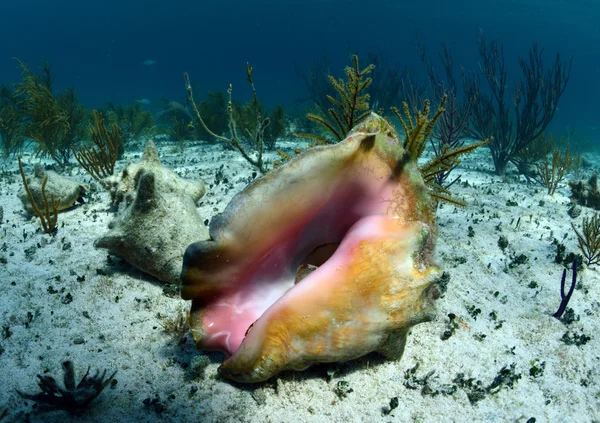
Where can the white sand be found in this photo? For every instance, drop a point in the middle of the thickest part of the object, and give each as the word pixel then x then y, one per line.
pixel 127 335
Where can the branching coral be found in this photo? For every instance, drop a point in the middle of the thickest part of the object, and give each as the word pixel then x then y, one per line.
pixel 99 162
pixel 49 216
pixel 132 121
pixel 589 239
pixel 276 129
pixel 11 122
pixel 71 397
pixel 54 122
pixel 551 172
pixel 256 135
pixel 417 131
pixel 514 120
pixel 351 106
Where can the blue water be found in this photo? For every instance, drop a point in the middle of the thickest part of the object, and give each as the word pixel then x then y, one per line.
pixel 100 47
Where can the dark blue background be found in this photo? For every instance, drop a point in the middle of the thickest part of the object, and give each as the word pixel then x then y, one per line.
pixel 100 46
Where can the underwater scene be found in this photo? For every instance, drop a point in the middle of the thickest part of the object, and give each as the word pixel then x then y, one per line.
pixel 284 211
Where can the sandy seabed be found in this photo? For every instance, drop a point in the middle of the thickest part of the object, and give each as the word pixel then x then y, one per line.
pixel 500 359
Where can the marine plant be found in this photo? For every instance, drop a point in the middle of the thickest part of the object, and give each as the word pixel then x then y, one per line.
pixel 53 121
pixel 589 239
pixel 514 120
pixel 72 396
pixel 276 128
pixel 316 80
pixel 99 160
pixel 452 128
pixel 214 113
pixel 349 108
pixel 179 130
pixel 418 130
pixel 388 82
pixel 255 133
pixel 49 215
pixel 528 158
pixel 552 172
pixel 11 122
pixel 131 119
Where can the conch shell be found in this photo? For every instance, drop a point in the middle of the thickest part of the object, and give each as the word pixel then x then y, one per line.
pixel 324 259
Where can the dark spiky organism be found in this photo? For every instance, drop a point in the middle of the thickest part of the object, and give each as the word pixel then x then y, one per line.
pixel 351 106
pixel 566 296
pixel 317 83
pixel 71 397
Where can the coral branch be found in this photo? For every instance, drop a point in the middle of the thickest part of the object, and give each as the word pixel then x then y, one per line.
pixel 515 120
pixel 552 172
pixel 589 239
pixel 100 162
pixel 351 106
pixel 47 217
pixel 234 139
pixel 565 297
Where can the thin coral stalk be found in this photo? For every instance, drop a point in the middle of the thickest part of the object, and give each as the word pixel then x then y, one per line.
pixel 100 162
pixel 234 139
pixel 351 106
pixel 589 239
pixel 417 132
pixel 47 217
pixel 566 296
pixel 552 172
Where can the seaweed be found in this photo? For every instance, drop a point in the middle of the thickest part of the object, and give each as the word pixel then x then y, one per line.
pixel 418 130
pixel 49 215
pixel 11 121
pixel 99 162
pixel 53 121
pixel 133 121
pixel 214 113
pixel 589 239
pixel 276 129
pixel 253 113
pixel 180 130
pixel 349 108
pixel 551 172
